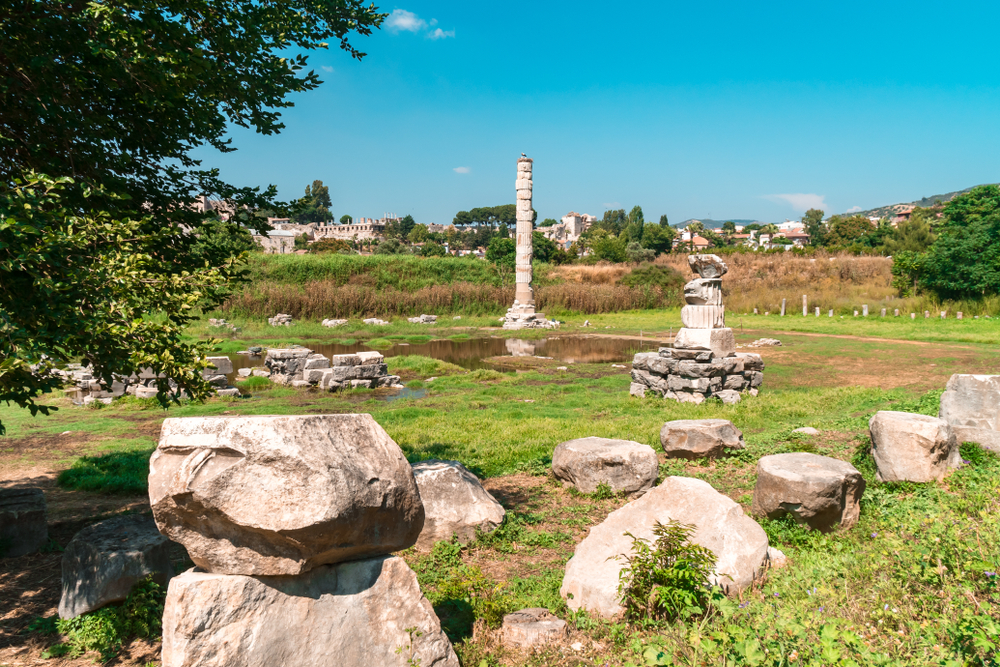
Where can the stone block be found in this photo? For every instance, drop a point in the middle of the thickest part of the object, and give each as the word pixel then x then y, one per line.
pixel 739 544
pixel 637 389
pixel 702 356
pixel 721 342
pixel 228 391
pixel 971 406
pixel 370 357
pixel 817 491
pixel 523 194
pixel 623 465
pixel 282 494
pixel 23 526
pixel 316 361
pixel 345 360
pixel 221 366
pixel 696 369
pixel 734 382
pixel 361 384
pixel 677 383
pixel 912 448
pixel 316 375
pixel 704 292
pixel 728 396
pixel 522 184
pixel 700 438
pixel 105 560
pixel 532 628
pixel 641 360
pixel 366 612
pixel 455 503
pixel 751 361
pixel 708 266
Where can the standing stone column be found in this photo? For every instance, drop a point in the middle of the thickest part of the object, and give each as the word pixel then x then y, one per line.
pixel 523 295
pixel 522 314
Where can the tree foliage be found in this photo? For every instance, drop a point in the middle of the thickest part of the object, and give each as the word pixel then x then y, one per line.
pixel 103 106
pixel 658 238
pixel 315 206
pixel 812 223
pixel 912 235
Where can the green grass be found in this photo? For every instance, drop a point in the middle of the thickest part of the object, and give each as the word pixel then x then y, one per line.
pixel 115 473
pixel 421 365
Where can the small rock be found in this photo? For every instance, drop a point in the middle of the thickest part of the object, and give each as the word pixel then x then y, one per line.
pixel 637 389
pixel 23 526
pixel 776 558
pixel 529 628
pixel 617 366
pixel 374 321
pixel 105 560
pixel 577 646
pixel 244 372
pixel 728 396
pixel 806 430
pixel 331 323
pixel 455 503
pixel 623 465
pixel 228 391
pixel 912 448
pixel 457 317
pixel 818 491
pixel 561 368
pixel 699 438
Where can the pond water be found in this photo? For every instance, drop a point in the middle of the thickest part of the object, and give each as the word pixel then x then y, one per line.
pixel 474 352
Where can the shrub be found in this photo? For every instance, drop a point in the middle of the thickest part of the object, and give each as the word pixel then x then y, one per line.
pixel 667 579
pixel 115 473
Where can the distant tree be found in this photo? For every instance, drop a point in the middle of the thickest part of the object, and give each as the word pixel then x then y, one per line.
pixel 634 224
pixel 607 247
pixel 328 245
pixel 401 228
pixel 418 234
pixel 432 249
pixel 302 242
pixel 635 253
pixel 729 227
pixel 752 227
pixel 547 222
pixel 913 235
pixel 391 246
pixel 501 252
pixel 964 260
pixel 613 222
pixel 658 238
pixel 845 231
pixel 663 221
pixel 315 206
pixel 542 248
pixel 812 223
pixel 346 219
pixel 219 240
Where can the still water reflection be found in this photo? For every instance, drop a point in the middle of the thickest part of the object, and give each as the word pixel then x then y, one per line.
pixel 475 352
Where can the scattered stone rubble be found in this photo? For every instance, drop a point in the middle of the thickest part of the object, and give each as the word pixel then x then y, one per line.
pixel 622 465
pixel 292 520
pixel 423 319
pixel 280 320
pixel 334 323
pixel 819 492
pixel 374 321
pixel 530 628
pixel 222 324
pixel 301 367
pixel 87 388
pixel 765 342
pixel 703 361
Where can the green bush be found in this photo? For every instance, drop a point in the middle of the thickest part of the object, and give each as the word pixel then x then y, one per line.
pixel 669 578
pixel 109 629
pixel 115 473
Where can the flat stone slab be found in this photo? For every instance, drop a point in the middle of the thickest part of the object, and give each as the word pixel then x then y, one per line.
pixel 281 495
pixel 700 438
pixel 23 525
pixel 739 544
pixel 818 491
pixel 720 342
pixel 623 465
pixel 912 448
pixel 455 503
pixel 530 628
pixel 369 613
pixel 105 560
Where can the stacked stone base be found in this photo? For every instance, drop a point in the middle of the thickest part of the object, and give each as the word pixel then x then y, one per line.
pixel 300 367
pixel 87 388
pixel 691 376
pixel 525 317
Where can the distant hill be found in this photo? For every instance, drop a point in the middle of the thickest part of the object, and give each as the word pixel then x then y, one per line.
pixel 891 209
pixel 717 224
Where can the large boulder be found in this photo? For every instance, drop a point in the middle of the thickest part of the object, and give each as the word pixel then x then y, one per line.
pixel 23 526
pixel 624 466
pixel 739 544
pixel 281 495
pixel 700 438
pixel 912 448
pixel 365 612
pixel 818 491
pixel 104 560
pixel 971 406
pixel 455 503
pixel 530 628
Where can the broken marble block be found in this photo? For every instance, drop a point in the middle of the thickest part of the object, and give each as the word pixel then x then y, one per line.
pixel 23 527
pixel 455 503
pixel 282 494
pixel 623 466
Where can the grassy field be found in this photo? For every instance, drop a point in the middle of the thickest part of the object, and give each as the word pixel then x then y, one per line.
pixel 908 585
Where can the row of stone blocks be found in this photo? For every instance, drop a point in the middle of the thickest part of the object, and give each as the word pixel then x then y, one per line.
pixel 143 384
pixel 300 367
pixel 693 375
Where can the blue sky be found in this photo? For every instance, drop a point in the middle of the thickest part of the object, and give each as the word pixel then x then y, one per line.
pixel 694 110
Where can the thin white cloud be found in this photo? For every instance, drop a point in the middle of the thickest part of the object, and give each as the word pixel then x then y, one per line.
pixel 440 34
pixel 611 204
pixel 854 209
pixel 326 68
pixel 462 170
pixel 402 20
pixel 799 201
